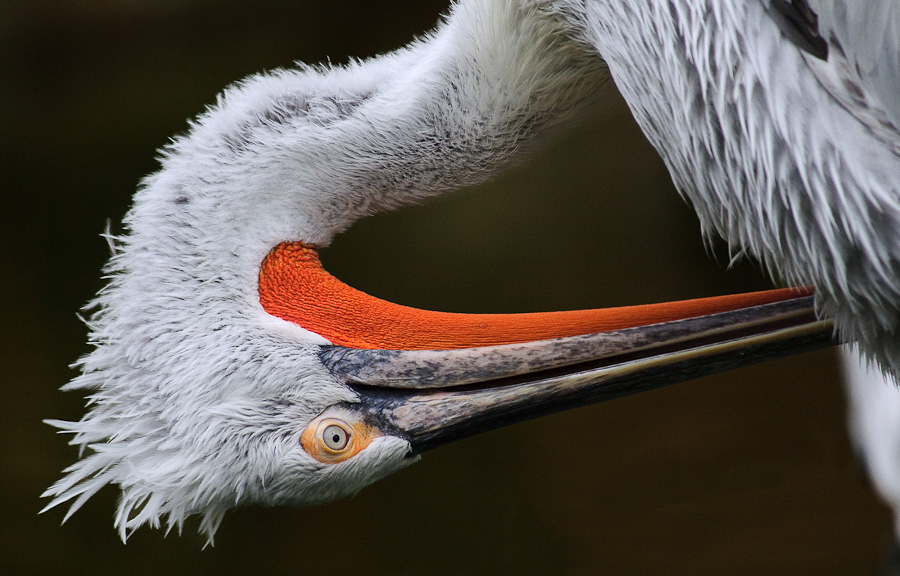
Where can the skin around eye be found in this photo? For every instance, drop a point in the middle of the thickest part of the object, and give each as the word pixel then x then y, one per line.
pixel 331 439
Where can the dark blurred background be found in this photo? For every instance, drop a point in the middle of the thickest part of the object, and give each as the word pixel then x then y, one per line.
pixel 746 473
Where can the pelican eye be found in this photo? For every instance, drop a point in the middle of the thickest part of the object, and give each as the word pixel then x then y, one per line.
pixel 332 439
pixel 335 437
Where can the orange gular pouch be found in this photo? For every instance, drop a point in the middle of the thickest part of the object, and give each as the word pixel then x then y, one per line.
pixel 295 287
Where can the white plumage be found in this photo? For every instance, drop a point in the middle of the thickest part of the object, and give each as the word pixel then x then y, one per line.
pixel 199 397
pixel 791 158
pixel 196 392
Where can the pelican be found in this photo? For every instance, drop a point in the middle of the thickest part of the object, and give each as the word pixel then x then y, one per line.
pixel 230 368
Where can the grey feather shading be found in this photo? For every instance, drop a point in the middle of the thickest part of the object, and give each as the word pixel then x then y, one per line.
pixel 800 25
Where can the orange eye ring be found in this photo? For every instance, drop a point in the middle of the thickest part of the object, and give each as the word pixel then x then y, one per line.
pixel 332 439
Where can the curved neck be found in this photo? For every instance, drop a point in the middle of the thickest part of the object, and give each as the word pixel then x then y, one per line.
pixel 302 154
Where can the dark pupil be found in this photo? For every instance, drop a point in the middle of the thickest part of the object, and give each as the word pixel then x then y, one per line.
pixel 336 438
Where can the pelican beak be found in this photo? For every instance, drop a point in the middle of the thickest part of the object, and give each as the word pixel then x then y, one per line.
pixel 432 397
pixel 435 377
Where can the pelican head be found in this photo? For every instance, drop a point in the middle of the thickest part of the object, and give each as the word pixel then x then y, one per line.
pixel 230 368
